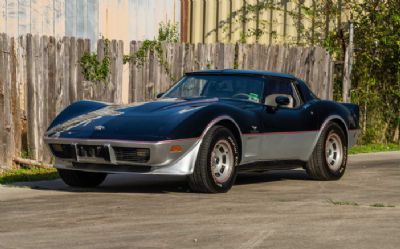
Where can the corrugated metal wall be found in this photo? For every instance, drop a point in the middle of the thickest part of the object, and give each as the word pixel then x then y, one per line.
pixel 211 21
pixel 32 16
pixel 115 19
pixel 82 19
pixel 148 14
pixel 77 18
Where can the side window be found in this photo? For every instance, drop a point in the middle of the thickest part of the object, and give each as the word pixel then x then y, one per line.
pixel 282 87
pixel 297 95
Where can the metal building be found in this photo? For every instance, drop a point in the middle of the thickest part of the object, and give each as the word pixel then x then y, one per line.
pixel 220 20
pixel 115 19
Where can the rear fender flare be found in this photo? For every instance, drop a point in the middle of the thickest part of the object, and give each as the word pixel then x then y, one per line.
pixel 324 124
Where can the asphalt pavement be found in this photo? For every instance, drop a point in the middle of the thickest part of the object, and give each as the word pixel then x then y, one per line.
pixel 277 209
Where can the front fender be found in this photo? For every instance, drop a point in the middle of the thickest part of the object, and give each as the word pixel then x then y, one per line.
pixel 197 123
pixel 76 109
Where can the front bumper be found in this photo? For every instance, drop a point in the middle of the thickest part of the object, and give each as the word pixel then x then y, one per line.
pixel 161 161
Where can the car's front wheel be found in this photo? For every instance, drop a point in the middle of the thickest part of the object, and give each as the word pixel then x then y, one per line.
pixel 215 168
pixel 329 158
pixel 76 178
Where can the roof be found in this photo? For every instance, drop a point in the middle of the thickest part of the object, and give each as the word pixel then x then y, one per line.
pixel 243 72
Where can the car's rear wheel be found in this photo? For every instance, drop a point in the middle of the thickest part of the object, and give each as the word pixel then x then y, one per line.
pixel 215 168
pixel 76 178
pixel 329 158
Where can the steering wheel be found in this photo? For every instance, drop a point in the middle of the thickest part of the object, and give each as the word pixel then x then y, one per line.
pixel 241 96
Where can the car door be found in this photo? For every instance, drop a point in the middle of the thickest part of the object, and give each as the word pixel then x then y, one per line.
pixel 285 131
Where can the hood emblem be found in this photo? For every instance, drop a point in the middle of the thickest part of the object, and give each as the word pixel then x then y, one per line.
pixel 99 128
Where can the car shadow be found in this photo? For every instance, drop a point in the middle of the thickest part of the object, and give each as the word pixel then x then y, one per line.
pixel 125 183
pixel 271 176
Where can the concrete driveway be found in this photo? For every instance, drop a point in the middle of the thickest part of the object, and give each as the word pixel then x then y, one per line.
pixel 272 210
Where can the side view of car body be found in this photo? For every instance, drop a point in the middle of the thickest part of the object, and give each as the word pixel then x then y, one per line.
pixel 208 126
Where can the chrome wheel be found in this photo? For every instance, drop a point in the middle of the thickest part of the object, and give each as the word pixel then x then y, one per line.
pixel 222 160
pixel 333 151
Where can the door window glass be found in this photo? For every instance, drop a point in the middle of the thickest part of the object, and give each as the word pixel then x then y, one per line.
pixel 281 87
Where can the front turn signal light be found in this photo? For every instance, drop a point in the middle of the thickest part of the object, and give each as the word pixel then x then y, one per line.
pixel 175 149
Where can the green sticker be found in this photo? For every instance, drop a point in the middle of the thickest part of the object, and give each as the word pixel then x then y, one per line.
pixel 254 97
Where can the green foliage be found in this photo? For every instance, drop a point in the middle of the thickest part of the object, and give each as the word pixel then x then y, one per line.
pixel 28 174
pixel 167 33
pixel 343 203
pixel 93 69
pixel 367 148
pixel 26 154
pixel 376 73
pixel 381 205
pixel 316 14
pixel 140 56
pixel 376 69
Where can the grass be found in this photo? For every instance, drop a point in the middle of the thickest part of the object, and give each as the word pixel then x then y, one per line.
pixel 352 203
pixel 28 174
pixel 381 205
pixel 374 148
pixel 344 203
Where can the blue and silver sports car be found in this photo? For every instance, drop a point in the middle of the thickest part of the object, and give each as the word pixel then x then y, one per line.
pixel 208 126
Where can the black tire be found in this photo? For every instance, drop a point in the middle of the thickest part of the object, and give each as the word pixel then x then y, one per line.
pixel 202 179
pixel 76 178
pixel 317 167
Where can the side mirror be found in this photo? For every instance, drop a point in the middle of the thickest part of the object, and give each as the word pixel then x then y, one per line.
pixel 159 95
pixel 282 101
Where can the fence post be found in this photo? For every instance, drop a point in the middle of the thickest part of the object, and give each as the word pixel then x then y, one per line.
pixel 348 63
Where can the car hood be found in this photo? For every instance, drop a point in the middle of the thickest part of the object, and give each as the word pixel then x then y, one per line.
pixel 147 121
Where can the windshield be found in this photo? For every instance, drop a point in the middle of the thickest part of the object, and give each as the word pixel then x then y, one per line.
pixel 220 86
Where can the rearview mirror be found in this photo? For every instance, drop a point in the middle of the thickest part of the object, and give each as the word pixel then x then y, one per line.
pixel 282 101
pixel 159 95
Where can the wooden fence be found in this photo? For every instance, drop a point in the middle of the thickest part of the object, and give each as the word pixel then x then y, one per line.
pixel 312 64
pixel 39 76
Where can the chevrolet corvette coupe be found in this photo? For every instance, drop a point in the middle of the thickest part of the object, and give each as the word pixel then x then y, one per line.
pixel 208 126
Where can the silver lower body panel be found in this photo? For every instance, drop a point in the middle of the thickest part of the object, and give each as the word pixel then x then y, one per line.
pixel 162 161
pixel 256 148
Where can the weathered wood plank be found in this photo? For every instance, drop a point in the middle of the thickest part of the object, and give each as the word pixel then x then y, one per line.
pixel 132 97
pixel 111 83
pixel 119 68
pixel 86 86
pixel 80 50
pixel 51 75
pixel 43 97
pixel 31 103
pixel 166 68
pixel 58 87
pixel 73 69
pixel 23 88
pixel 38 92
pixel 2 88
pixel 7 138
pixel 19 63
pixel 66 75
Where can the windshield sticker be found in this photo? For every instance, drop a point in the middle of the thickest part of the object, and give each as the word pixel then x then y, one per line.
pixel 254 97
